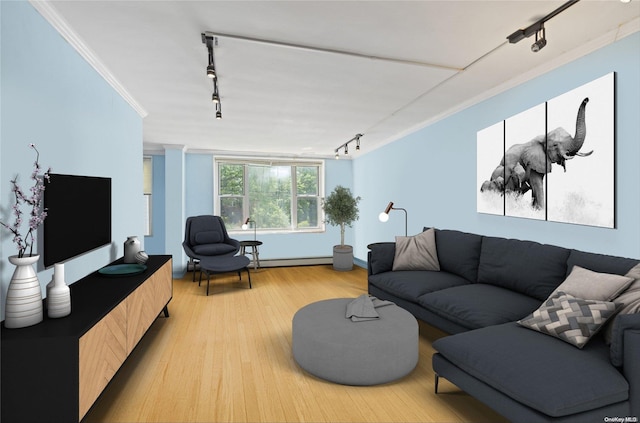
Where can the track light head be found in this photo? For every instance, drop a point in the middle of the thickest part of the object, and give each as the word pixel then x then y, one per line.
pixel 218 115
pixel 541 41
pixel 211 71
pixel 215 98
pixel 538 45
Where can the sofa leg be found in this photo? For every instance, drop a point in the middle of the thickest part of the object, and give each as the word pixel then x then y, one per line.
pixel 436 385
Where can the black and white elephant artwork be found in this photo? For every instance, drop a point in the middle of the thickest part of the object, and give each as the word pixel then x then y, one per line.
pixel 553 136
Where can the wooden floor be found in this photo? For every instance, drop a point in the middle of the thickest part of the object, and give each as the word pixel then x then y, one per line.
pixel 227 358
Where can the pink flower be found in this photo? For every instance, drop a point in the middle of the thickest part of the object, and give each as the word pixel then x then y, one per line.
pixel 35 201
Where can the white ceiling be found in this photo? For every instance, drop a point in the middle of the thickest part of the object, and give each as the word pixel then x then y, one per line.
pixel 276 100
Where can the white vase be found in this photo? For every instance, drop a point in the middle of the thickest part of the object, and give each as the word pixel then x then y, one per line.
pixel 131 248
pixel 58 294
pixel 24 296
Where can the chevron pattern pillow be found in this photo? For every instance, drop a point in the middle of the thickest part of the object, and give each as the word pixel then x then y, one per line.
pixel 570 319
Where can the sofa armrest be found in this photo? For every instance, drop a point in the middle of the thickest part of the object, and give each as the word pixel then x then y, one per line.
pixel 631 368
pixel 625 350
pixel 623 325
pixel 380 257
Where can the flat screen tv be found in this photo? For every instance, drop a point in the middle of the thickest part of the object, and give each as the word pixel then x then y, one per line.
pixel 78 216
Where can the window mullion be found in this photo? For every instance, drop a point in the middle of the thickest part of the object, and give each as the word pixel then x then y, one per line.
pixel 246 200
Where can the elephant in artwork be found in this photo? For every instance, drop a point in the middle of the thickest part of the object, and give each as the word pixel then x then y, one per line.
pixel 524 166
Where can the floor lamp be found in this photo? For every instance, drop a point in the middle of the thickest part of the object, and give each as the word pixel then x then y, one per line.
pixel 384 216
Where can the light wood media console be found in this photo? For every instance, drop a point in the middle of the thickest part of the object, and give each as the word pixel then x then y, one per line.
pixel 55 370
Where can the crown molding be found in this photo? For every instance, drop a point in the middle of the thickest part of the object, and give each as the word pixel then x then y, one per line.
pixel 51 15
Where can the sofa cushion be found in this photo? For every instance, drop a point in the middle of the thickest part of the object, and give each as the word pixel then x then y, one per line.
pixel 479 305
pixel 539 371
pixel 600 262
pixel 410 284
pixel 416 252
pixel 590 285
pixel 523 266
pixel 380 257
pixel 573 320
pixel 459 253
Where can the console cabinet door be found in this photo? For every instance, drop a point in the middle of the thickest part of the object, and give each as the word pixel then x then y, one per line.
pixel 102 350
pixel 146 303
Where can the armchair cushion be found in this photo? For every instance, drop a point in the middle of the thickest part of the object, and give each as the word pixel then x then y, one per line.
pixel 208 237
pixel 214 249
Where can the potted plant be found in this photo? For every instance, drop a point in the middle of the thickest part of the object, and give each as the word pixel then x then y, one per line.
pixel 23 305
pixel 341 209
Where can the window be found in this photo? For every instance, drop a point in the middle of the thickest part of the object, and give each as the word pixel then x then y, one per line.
pixel 277 196
pixel 147 185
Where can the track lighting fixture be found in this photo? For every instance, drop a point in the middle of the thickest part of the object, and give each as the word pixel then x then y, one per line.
pixel 346 145
pixel 215 97
pixel 209 40
pixel 541 41
pixel 537 28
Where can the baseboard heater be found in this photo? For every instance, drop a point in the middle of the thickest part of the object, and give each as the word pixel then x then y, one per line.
pixel 284 262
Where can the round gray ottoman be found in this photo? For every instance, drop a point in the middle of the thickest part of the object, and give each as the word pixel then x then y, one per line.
pixel 330 346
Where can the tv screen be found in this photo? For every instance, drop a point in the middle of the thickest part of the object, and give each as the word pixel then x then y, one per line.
pixel 78 216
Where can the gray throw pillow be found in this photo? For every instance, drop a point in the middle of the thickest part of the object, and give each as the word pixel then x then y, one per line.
pixel 416 252
pixel 570 319
pixel 589 285
pixel 630 299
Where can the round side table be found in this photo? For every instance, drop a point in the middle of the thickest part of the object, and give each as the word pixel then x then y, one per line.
pixel 254 251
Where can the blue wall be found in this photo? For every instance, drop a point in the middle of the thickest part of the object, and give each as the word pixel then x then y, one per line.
pixel 432 172
pixel 154 244
pixel 50 96
pixel 199 197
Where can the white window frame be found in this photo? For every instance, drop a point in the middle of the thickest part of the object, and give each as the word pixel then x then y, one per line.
pixel 266 161
pixel 148 197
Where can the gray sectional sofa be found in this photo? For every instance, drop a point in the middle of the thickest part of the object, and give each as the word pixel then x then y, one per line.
pixel 483 287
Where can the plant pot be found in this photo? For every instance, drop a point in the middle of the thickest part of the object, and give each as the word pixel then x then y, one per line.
pixel 24 296
pixel 342 257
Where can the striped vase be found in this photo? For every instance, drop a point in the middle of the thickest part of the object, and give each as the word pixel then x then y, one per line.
pixel 24 296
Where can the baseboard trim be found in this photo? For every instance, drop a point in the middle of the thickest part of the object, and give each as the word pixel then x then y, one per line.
pixel 305 261
pixel 284 262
